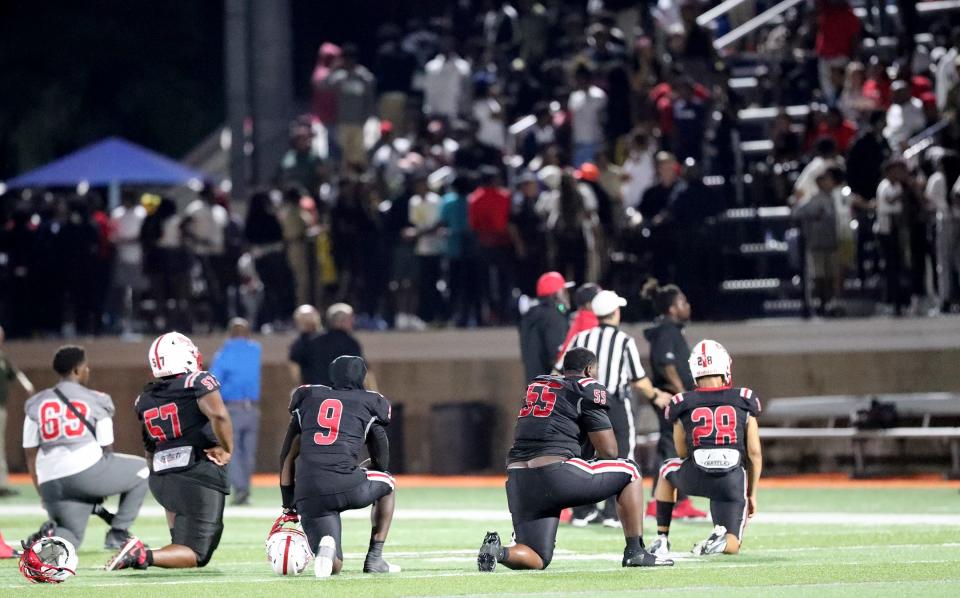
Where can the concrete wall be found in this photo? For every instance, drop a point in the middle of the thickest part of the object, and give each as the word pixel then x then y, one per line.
pixel 419 370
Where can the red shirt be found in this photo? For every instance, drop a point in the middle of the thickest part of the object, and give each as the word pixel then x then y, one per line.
pixel 488 213
pixel 582 320
pixel 843 135
pixel 837 30
pixel 878 90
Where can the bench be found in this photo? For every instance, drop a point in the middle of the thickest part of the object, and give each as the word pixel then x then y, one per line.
pixel 807 419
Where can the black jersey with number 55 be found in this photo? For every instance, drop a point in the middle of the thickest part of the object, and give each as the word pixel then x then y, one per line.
pixel 334 424
pixel 714 419
pixel 556 415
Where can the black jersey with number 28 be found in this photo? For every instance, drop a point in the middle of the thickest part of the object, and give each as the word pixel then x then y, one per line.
pixel 715 419
pixel 333 429
pixel 556 415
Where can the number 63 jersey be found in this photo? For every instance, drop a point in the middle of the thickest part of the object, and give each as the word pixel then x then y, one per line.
pixel 715 424
pixel 333 429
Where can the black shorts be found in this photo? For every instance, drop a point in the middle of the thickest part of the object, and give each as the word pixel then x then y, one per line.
pixel 536 496
pixel 320 513
pixel 198 512
pixel 727 491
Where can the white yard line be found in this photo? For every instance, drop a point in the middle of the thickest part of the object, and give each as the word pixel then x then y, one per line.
pixel 794 518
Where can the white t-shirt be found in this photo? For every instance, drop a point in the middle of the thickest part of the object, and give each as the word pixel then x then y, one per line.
pixel 586 111
pixel 936 192
pixel 424 215
pixel 903 121
pixel 889 204
pixel 642 173
pixel 444 85
pixel 491 129
pixel 125 233
pixel 207 224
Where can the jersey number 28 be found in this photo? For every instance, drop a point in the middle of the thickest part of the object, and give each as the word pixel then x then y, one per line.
pixel 723 420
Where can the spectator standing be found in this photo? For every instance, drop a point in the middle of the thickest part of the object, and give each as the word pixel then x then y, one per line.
pixel 892 194
pixel 393 69
pixel 853 103
pixel 838 128
pixel 323 104
pixel 489 113
pixel 313 351
pixel 905 117
pixel 543 327
pixel 818 221
pixel 639 170
pixel 8 373
pixel 461 252
pixel 237 366
pixel 429 248
pixel 824 157
pixel 204 226
pixel 265 235
pixel 531 232
pixel 669 355
pixel 167 263
pixel 446 83
pixel 947 75
pixel 356 90
pixel 689 122
pixel 293 223
pixel 301 165
pixel 571 222
pixel 126 220
pixel 838 35
pixel 865 162
pixel 488 212
pixel 587 106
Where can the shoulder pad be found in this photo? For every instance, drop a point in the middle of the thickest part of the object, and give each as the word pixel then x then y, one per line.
pixel 674 402
pixel 585 382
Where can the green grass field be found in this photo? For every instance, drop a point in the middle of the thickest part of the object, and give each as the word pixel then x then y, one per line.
pixel 805 542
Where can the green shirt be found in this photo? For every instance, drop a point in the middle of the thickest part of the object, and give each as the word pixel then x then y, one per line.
pixel 8 373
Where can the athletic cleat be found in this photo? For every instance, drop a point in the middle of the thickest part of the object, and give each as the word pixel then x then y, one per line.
pixel 326 554
pixel 379 565
pixel 612 523
pixel 132 555
pixel 7 551
pixel 642 558
pixel 46 530
pixel 591 517
pixel 685 510
pixel 489 551
pixel 660 546
pixel 116 538
pixel 714 544
pixel 651 509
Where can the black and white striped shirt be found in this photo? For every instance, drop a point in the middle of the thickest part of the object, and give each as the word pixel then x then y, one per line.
pixel 618 360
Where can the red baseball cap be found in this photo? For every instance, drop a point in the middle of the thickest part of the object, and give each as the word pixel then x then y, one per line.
pixel 550 283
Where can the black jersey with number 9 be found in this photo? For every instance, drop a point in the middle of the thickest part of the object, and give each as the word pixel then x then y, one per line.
pixel 333 429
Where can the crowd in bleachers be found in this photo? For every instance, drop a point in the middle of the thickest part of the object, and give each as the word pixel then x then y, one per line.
pixel 435 176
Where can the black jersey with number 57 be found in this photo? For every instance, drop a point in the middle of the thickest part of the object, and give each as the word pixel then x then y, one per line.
pixel 333 429
pixel 556 415
pixel 714 418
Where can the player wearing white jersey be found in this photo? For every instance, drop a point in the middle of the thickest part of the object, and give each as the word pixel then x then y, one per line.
pixel 68 439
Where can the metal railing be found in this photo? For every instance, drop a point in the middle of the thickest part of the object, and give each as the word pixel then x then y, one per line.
pixel 755 23
pixel 718 11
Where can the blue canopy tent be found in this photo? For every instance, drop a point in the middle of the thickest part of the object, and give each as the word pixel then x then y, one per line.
pixel 113 163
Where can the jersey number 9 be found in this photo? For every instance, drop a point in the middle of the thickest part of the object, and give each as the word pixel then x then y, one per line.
pixel 328 418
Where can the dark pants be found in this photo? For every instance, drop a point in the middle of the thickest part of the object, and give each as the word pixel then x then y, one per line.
pixel 892 264
pixel 431 301
pixel 197 509
pixel 621 418
pixel 727 491
pixel 496 280
pixel 666 448
pixel 536 496
pixel 464 294
pixel 245 416
pixel 320 513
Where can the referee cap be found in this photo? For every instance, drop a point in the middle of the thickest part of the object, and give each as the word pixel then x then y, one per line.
pixel 606 302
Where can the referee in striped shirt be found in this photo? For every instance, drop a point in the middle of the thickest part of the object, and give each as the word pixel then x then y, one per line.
pixel 620 371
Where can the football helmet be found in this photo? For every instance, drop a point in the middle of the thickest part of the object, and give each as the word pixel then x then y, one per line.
pixel 287 548
pixel 173 353
pixel 709 358
pixel 50 559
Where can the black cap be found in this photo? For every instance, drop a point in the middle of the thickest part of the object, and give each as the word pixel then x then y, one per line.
pixel 585 294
